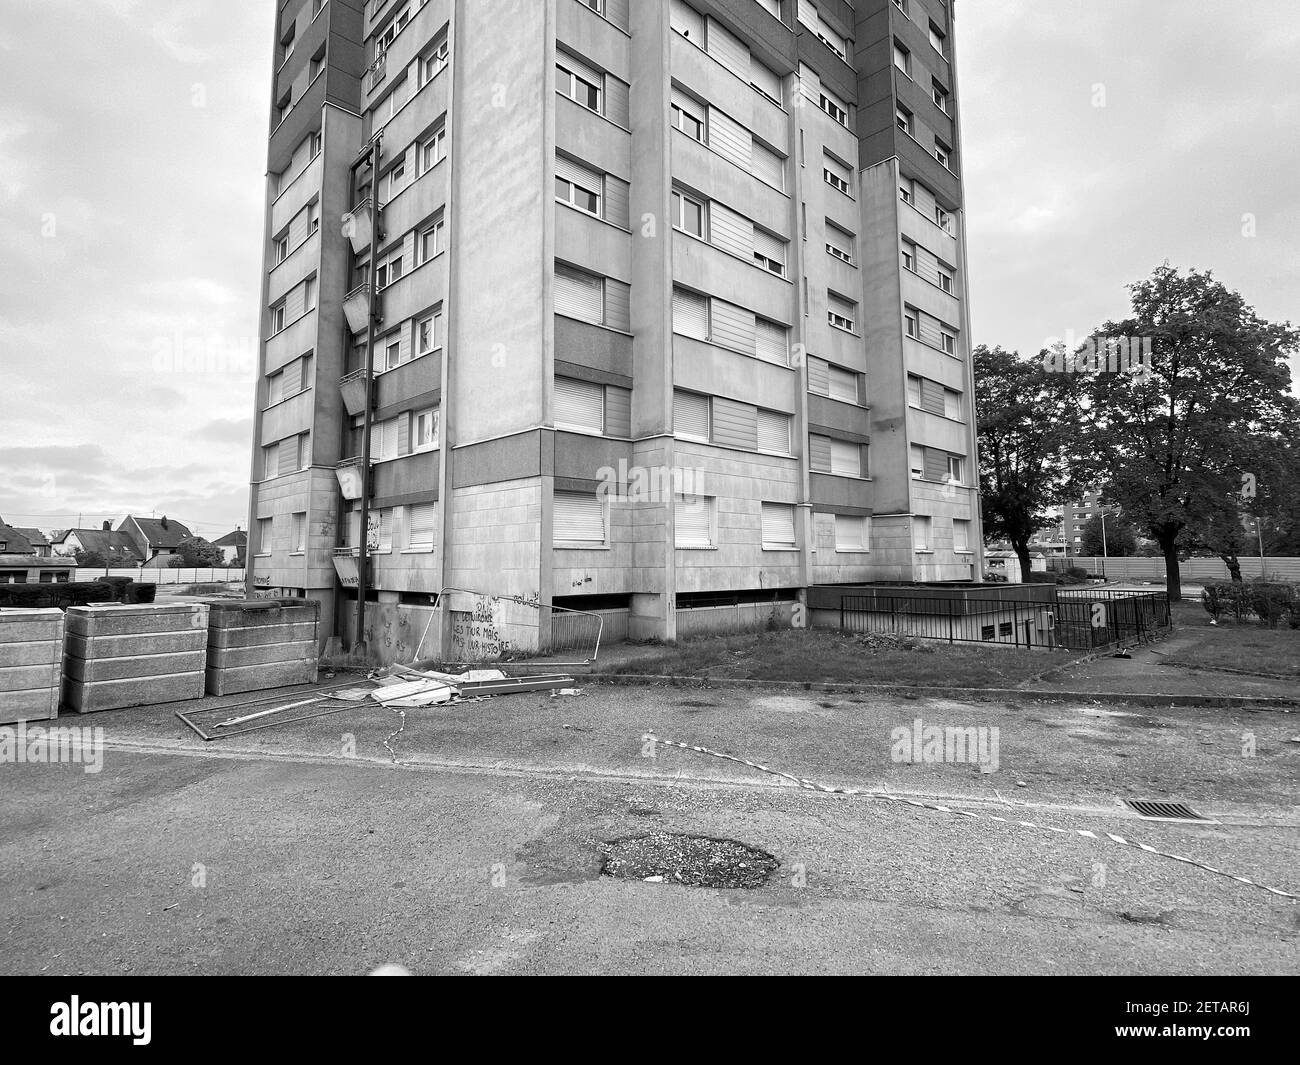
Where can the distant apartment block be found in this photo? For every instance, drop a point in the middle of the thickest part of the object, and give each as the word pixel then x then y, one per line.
pixel 672 305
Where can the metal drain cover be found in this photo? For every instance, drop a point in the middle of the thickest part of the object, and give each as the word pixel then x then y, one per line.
pixel 1161 810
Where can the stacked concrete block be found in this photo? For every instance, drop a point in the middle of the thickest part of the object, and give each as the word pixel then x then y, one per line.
pixel 31 656
pixel 262 643
pixel 117 656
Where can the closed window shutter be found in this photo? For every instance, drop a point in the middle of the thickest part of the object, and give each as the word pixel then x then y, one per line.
pixel 579 518
pixel 843 308
pixel 618 102
pixel 424 522
pixel 617 201
pixel 767 166
pixel 688 22
pixel 731 231
pixel 579 405
pixel 691 518
pixel 932 396
pixel 404 434
pixel 840 241
pixel 728 49
pixel 579 295
pixel 764 79
pixel 618 411
pixel 289 456
pixel 772 342
pixel 304 378
pixel 774 432
pixel 819 448
pixel 275 389
pixel 913 390
pixel 733 327
pixel 576 66
pixel 690 314
pixel 952 404
pixel 846 458
pixel 819 381
pixel 690 105
pixel 568 170
pixel 850 533
pixel 618 305
pixel 730 139
pixel 960 535
pixel 271 461
pixel 691 415
pixel 778 525
pixel 936 464
pixel 735 424
pixel 617 13
pixel 843 385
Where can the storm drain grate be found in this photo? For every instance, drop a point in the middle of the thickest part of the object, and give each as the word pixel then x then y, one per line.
pixel 1160 810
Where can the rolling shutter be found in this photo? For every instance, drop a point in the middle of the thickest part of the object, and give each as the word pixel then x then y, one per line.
pixel 819 453
pixel 850 533
pixel 618 102
pixel 578 294
pixel 617 201
pixel 772 342
pixel 841 172
pixel 688 22
pixel 819 382
pixel 767 166
pixel 579 518
pixel 936 464
pixel 769 246
pixel 582 176
pixel 764 79
pixel 618 411
pixel 690 314
pixel 691 415
pixel 288 456
pixel 730 139
pixel 841 241
pixel 952 404
pixel 846 458
pixel 618 305
pixel 733 327
pixel 774 432
pixel 617 13
pixel 778 525
pixel 576 66
pixel 735 424
pixel 843 385
pixel 691 520
pixel 424 524
pixel 579 405
pixel 932 396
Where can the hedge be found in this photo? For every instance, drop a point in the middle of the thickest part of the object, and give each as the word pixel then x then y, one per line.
pixel 62 596
pixel 1270 602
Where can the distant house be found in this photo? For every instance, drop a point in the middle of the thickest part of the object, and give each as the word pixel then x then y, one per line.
pixel 233 545
pixel 39 543
pixel 103 541
pixel 31 568
pixel 14 542
pixel 155 539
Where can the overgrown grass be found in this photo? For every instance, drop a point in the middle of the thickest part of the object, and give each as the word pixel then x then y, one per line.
pixel 1249 646
pixel 833 657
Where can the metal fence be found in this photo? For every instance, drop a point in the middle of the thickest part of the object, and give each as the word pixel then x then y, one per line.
pixel 1082 620
pixel 1191 570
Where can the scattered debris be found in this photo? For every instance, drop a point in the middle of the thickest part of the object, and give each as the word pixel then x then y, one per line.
pixel 565 691
pixel 692 861
pixel 267 713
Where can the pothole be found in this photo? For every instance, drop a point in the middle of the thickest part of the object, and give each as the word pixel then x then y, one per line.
pixel 691 861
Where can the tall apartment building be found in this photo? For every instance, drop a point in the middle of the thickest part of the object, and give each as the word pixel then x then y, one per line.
pixel 1074 516
pixel 672 306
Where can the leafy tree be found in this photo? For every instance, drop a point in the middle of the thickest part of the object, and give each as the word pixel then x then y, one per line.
pixel 1117 539
pixel 198 553
pixel 1173 439
pixel 1027 436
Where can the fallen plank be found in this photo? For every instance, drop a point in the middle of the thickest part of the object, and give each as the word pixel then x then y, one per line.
pixel 267 713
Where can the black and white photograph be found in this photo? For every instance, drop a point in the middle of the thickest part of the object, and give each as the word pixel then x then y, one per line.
pixel 650 488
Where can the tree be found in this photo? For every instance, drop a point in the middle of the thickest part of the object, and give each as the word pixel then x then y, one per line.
pixel 1173 437
pixel 1027 436
pixel 197 553
pixel 1117 539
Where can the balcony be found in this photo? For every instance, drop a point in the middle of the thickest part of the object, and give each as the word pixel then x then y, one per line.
pixel 356 308
pixel 359 225
pixel 353 389
pixel 376 72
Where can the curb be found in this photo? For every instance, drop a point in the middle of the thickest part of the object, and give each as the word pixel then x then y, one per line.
pixel 975 694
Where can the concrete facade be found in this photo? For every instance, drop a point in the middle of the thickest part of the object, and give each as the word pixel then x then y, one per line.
pixel 642 344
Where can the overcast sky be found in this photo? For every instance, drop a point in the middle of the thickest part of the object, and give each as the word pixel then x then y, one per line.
pixel 1101 137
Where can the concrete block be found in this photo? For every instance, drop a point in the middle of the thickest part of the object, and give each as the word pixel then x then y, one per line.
pixel 262 643
pixel 31 644
pixel 86 698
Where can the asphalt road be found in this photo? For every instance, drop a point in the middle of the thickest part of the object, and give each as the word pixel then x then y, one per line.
pixel 278 853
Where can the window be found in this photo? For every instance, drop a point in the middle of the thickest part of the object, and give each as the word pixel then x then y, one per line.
pixel 921 533
pixel 938 41
pixel 317 142
pixel 842 385
pixel 842 458
pixel 904 119
pixel 428 333
pixel 689 116
pixel 769 252
pixel 772 341
pixel 948 342
pixel 907 193
pixel 943 153
pixel 685 20
pixel 835 107
pixel 270 461
pixel 943 219
pixel 265 529
pixel 579 82
pixel 839 242
pixel 422 527
pixel 391 31
pixel 690 314
pixel 852 533
pixel 298 533
pixel 281 249
pixel 902 59
pixel 909 256
pixel 778 526
pixel 840 312
pixel 988 632
pixel 287 43
pixel 916 456
pixel 579 294
pixel 693 521
pixel 940 97
pixel 579 405
pixel 838 176
pixel 954 469
pixel 433 239
pixel 774 432
pixel 313 217
pixel 391 104
pixel 945 279
pixel 577 186
pixel 691 416
pixel 383 440
pixel 960 535
pixel 303 456
pixel 579 518
pixel 765 80
pixel 435 62
pixel 434 150
pixel 381 530
pixel 309 294
pixel 277 318
pixel 393 181
pixel 424 430
pixel 392 354
pixel 313 72
pixel 275 389
pixel 767 165
pixel 689 215
pixel 389 271
pixel 913 327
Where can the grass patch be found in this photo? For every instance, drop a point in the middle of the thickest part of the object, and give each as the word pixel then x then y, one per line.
pixel 1248 646
pixel 825 656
